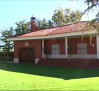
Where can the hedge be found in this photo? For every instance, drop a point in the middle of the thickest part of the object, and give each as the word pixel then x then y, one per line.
pixel 3 54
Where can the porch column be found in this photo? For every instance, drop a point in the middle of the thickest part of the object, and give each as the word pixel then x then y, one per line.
pixel 42 48
pixel 66 47
pixel 97 38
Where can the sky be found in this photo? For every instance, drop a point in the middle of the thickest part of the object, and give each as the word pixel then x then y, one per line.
pixel 12 11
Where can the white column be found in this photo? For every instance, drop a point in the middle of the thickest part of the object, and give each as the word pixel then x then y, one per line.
pixel 42 48
pixel 97 42
pixel 66 47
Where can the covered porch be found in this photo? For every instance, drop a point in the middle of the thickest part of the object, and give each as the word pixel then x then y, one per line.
pixel 72 47
pixel 71 51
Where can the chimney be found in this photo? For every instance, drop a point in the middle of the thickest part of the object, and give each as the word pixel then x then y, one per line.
pixel 33 24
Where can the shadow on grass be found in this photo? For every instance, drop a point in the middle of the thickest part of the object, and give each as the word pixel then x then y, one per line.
pixel 51 71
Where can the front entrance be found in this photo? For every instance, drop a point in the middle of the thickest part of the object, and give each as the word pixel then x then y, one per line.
pixel 27 55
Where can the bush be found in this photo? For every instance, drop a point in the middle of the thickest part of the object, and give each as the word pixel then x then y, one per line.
pixel 3 54
pixel 11 54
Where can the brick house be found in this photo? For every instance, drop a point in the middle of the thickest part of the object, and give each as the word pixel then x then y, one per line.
pixel 60 42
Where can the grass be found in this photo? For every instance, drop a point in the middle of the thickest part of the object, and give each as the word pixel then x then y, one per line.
pixel 33 77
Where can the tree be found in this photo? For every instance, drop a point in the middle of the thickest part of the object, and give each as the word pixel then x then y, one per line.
pixel 94 23
pixel 43 24
pixel 66 16
pixel 25 27
pixel 50 24
pixel 22 27
pixel 8 45
pixel 92 5
pixel 60 17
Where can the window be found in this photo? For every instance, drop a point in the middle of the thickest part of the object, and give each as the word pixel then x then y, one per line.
pixel 81 48
pixel 55 49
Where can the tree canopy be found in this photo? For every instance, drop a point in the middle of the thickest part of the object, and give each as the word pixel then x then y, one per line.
pixel 66 16
pixel 91 25
pixel 43 24
pixel 8 45
pixel 22 27
pixel 60 17
pixel 91 4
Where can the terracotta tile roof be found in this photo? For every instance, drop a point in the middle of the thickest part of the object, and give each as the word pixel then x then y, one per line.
pixel 57 30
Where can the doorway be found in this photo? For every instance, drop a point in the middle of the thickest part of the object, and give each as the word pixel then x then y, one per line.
pixel 27 55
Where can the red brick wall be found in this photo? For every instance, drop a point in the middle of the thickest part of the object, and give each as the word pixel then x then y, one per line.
pixel 90 50
pixel 61 42
pixel 47 43
pixel 32 43
pixel 33 26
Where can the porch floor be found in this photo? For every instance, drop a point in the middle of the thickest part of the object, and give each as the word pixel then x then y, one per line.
pixel 78 63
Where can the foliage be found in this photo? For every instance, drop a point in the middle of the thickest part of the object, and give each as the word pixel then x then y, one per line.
pixel 70 50
pixel 10 54
pixel 8 45
pixel 93 28
pixel 22 27
pixel 50 24
pixel 2 55
pixel 92 25
pixel 43 24
pixel 91 4
pixel 45 50
pixel 60 17
pixel 66 16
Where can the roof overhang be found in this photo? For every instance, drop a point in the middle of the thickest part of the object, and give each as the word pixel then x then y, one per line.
pixel 52 36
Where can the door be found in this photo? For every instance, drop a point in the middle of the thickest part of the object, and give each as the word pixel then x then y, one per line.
pixel 27 55
pixel 23 55
pixel 31 55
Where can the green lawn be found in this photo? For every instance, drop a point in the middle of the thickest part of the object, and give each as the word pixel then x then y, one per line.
pixel 33 77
